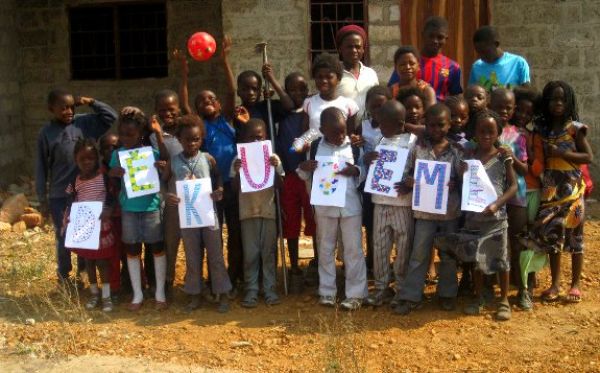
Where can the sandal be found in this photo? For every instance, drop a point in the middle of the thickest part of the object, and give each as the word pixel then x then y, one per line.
pixel 93 302
pixel 134 307
pixel 503 312
pixel 574 295
pixel 550 295
pixel 272 300
pixel 250 300
pixel 160 306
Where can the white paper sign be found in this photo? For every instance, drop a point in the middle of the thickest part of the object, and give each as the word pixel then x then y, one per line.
pixel 256 172
pixel 196 208
pixel 430 193
pixel 83 230
pixel 329 188
pixel 141 177
pixel 386 170
pixel 477 190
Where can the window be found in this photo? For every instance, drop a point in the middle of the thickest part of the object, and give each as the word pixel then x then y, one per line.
pixel 126 41
pixel 327 16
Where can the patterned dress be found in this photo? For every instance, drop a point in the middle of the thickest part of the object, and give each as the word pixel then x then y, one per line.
pixel 559 223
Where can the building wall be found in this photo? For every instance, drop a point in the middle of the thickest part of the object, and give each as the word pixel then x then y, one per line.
pixel 12 153
pixel 560 40
pixel 44 51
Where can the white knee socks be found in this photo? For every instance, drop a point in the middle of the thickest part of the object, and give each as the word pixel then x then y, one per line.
pixel 160 272
pixel 135 274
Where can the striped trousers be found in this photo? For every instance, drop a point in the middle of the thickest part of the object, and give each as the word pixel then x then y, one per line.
pixel 392 225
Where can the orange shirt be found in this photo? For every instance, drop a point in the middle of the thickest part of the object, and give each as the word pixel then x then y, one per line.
pixel 536 160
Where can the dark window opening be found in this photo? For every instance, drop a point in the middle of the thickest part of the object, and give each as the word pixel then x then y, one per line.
pixel 327 17
pixel 127 41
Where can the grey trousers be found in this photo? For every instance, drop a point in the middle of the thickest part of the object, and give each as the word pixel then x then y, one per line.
pixel 259 237
pixel 194 242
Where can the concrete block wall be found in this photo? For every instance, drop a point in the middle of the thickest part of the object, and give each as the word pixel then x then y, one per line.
pixel 42 27
pixel 384 36
pixel 12 152
pixel 561 40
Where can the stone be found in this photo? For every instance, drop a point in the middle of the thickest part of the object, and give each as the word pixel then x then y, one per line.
pixel 5 227
pixel 394 13
pixel 19 227
pixel 30 321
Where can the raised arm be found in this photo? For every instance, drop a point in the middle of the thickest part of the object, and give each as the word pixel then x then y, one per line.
pixel 98 123
pixel 229 101
pixel 184 97
pixel 286 101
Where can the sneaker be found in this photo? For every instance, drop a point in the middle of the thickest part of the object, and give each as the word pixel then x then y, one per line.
pixel 447 304
pixel 327 300
pixel 351 304
pixel 503 312
pixel 107 304
pixel 379 297
pixel 405 307
pixel 93 302
pixel 525 302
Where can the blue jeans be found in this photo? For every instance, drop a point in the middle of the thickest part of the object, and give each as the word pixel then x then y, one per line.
pixel 412 287
pixel 63 256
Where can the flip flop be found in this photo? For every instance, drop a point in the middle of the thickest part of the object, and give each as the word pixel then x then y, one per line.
pixel 550 295
pixel 574 295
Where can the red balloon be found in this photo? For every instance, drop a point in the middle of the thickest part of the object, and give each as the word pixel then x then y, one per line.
pixel 201 46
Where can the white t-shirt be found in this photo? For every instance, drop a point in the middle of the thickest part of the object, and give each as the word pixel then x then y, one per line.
pixel 356 88
pixel 370 135
pixel 314 106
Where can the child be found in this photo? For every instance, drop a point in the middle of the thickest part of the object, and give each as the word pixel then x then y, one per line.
pixel 435 147
pixel 191 164
pixel 346 219
pixel 295 201
pixel 495 67
pixel 166 107
pixel 559 223
pixel 406 64
pixel 259 228
pixel 502 101
pixel 413 101
pixel 492 251
pixel 55 163
pixel 219 142
pixel 89 185
pixel 327 72
pixel 477 98
pixel 119 278
pixel 371 135
pixel 140 216
pixel 442 73
pixel 526 110
pixel 393 216
pixel 459 116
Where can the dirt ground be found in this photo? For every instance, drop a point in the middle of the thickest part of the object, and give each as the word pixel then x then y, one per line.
pixel 296 336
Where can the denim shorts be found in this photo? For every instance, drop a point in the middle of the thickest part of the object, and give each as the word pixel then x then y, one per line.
pixel 141 227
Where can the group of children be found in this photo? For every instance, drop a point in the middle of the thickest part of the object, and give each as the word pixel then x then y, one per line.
pixel 531 146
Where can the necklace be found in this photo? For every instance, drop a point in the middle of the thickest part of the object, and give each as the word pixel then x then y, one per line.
pixel 267 172
pixel 190 165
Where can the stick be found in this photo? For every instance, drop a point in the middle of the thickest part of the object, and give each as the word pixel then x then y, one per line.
pixel 263 47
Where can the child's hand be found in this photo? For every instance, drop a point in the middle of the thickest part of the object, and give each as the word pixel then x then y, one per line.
pixel 81 100
pixel 130 110
pixel 116 172
pixel 506 151
pixel 181 57
pixel 274 160
pixel 370 157
pixel 267 71
pixel 308 166
pixel 357 140
pixel 405 186
pixel 349 170
pixel 237 164
pixel 217 195
pixel 160 165
pixel 225 47
pixel 463 167
pixel 268 93
pixel 155 125
pixel 491 209
pixel 172 199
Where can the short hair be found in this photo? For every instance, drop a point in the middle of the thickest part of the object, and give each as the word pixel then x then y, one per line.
pixel 290 77
pixel 453 101
pixel 249 74
pixel 137 118
pixel 486 34
pixel 501 92
pixel 165 93
pixel 331 114
pixel 327 61
pixel 405 49
pixel 391 109
pixel 190 121
pixel 251 124
pixel 487 113
pixel 57 93
pixel 85 143
pixel 570 100
pixel 435 23
pixel 103 138
pixel 528 94
pixel 378 90
pixel 437 109
pixel 407 92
